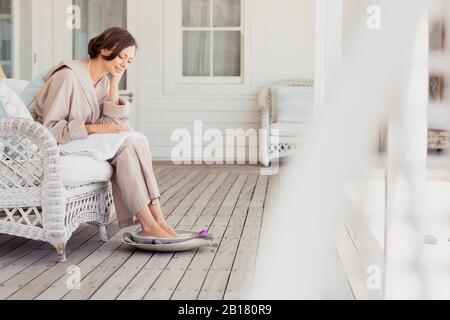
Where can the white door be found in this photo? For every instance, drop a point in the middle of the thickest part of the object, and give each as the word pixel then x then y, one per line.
pixel 97 16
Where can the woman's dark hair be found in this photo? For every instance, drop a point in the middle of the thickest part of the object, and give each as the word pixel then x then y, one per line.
pixel 114 39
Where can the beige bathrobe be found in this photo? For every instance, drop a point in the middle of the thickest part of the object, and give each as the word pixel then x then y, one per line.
pixel 69 101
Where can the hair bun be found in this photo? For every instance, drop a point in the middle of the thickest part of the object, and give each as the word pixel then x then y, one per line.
pixel 113 39
pixel 94 48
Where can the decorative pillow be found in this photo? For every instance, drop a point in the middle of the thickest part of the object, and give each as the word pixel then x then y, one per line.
pixel 292 104
pixel 17 85
pixel 12 107
pixel 11 104
pixel 33 88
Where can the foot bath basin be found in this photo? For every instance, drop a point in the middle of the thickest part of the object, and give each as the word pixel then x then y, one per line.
pixel 187 241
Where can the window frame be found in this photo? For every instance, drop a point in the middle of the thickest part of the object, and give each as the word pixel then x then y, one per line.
pixel 211 29
pixel 175 82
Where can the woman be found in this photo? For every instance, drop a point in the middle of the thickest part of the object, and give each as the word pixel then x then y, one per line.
pixel 80 98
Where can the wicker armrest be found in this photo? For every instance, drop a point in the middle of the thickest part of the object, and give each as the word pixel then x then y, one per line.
pixel 31 159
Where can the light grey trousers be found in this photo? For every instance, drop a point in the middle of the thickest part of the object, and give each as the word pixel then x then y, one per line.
pixel 134 183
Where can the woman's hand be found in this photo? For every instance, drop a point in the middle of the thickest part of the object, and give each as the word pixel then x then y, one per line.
pixel 115 79
pixel 114 87
pixel 105 128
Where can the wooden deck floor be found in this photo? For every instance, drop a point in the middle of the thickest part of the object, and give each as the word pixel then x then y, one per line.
pixel 229 201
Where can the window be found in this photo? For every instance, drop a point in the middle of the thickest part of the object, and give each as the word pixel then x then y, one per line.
pixel 97 16
pixel 6 41
pixel 212 41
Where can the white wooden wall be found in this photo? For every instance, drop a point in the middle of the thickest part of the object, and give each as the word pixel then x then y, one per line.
pixel 282 46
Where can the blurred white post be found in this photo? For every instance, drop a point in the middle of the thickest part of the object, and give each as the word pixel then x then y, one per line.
pixel 328 47
pixel 406 168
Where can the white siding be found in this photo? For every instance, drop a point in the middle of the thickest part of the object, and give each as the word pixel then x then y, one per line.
pixel 282 37
pixel 43 39
pixel 281 34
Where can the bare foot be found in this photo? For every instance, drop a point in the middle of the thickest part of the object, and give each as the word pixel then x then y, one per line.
pixel 155 231
pixel 167 228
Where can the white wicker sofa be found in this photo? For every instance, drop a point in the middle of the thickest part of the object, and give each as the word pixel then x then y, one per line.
pixel 279 139
pixel 45 196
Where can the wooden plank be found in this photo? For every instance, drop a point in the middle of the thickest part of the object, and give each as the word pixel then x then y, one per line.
pixel 168 281
pixel 174 204
pixel 18 253
pixel 160 171
pixel 142 283
pixel 37 283
pixel 172 178
pixel 353 266
pixel 196 199
pixel 11 245
pixel 247 193
pixel 233 195
pixel 26 255
pixel 212 181
pixel 177 184
pixel 25 252
pixel 26 248
pixel 59 288
pixel 23 263
pixel 259 196
pixel 190 214
pixel 22 245
pixel 139 287
pixel 5 238
pixel 170 192
pixel 368 250
pixel 21 259
pixel 217 277
pixel 115 284
pixel 98 274
pixel 241 279
pixel 191 282
pixel 185 198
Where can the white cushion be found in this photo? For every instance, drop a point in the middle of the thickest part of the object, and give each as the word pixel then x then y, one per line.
pixel 17 85
pixel 77 170
pixel 291 129
pixel 292 104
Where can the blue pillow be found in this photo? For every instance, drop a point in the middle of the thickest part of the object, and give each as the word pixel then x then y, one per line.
pixel 2 113
pixel 294 104
pixel 32 90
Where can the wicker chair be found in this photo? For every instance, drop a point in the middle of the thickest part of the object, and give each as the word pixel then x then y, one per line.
pixel 273 143
pixel 34 203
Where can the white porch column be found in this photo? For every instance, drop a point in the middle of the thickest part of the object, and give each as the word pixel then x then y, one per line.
pixel 407 157
pixel 328 47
